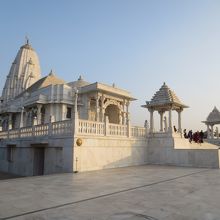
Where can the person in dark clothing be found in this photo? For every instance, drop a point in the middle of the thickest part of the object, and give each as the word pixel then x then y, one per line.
pixel 185 134
pixel 196 137
pixel 190 136
pixel 174 128
pixel 201 136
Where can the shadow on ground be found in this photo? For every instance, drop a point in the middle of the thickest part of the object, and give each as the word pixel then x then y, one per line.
pixel 5 176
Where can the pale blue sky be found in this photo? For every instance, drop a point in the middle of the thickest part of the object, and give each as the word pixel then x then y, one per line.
pixel 138 44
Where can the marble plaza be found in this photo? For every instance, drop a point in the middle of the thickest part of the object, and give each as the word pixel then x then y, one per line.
pixel 52 126
pixel 131 193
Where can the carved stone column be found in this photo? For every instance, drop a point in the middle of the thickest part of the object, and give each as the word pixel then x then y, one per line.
pixel 39 116
pixel 179 121
pixel 10 121
pixel 102 109
pixel 170 121
pixel 22 118
pixel 212 132
pixel 165 123
pixel 75 115
pixel 127 112
pixel 208 133
pixel 151 120
pixel 161 120
pixel 97 109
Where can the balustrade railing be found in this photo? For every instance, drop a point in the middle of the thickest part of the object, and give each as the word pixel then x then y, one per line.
pixel 13 133
pixel 3 134
pixel 26 132
pixel 62 127
pixel 138 131
pixel 41 130
pixel 83 127
pixel 118 130
pixel 91 127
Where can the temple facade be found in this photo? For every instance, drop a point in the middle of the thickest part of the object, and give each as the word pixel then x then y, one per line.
pixel 27 99
pixel 49 126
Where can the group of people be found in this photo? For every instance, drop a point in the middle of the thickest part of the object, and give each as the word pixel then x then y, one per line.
pixel 197 136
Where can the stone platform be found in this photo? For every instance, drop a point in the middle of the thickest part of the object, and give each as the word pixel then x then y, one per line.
pixel 132 193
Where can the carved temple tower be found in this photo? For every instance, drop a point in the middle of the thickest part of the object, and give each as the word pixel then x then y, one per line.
pixel 24 71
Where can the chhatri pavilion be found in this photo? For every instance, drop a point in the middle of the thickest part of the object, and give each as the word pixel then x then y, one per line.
pixel 165 100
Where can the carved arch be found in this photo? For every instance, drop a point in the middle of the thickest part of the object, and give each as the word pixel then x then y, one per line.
pixel 112 102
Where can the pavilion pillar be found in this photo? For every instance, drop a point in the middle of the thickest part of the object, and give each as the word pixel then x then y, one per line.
pixel 75 112
pixel 151 120
pixel 97 109
pixel 124 114
pixel 127 112
pixel 208 133
pixel 165 124
pixel 170 120
pixel 212 132
pixel 39 106
pixel 179 121
pixel 102 109
pixel 22 118
pixel 10 121
pixel 161 120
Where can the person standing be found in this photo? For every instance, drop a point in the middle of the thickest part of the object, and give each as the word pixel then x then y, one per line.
pixel 190 136
pixel 201 136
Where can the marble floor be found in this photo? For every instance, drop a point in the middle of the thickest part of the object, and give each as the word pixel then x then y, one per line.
pixel 131 193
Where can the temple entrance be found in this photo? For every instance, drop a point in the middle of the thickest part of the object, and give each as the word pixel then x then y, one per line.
pixel 38 165
pixel 112 111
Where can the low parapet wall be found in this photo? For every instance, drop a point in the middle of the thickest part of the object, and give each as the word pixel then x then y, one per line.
pixel 97 153
pixel 179 152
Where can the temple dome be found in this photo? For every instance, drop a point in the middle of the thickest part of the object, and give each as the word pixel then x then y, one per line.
pixel 79 83
pixel 50 79
pixel 24 71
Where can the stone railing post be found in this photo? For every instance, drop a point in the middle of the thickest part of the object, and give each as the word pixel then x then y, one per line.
pixel 128 128
pixel 75 113
pixel 50 127
pixel 19 133
pixel 106 126
pixel 33 131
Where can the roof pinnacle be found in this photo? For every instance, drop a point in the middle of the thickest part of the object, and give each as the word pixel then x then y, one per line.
pixel 51 73
pixel 27 39
pixel 80 77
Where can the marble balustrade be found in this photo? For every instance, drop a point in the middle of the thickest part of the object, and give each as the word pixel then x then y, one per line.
pixel 85 127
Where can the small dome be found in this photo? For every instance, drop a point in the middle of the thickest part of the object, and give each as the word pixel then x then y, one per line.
pixel 214 116
pixel 79 83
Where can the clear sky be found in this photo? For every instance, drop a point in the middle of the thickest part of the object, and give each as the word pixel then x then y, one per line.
pixel 137 44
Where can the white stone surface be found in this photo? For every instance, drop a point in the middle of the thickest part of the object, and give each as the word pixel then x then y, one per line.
pixel 25 71
pixel 132 193
pixel 107 152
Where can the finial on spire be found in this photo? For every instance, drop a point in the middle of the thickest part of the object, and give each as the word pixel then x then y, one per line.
pixel 51 72
pixel 27 39
pixel 80 77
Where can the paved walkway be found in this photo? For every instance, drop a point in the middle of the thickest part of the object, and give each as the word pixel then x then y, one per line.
pixel 132 193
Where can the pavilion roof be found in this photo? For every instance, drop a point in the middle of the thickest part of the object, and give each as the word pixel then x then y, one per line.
pixel 213 117
pixel 165 98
